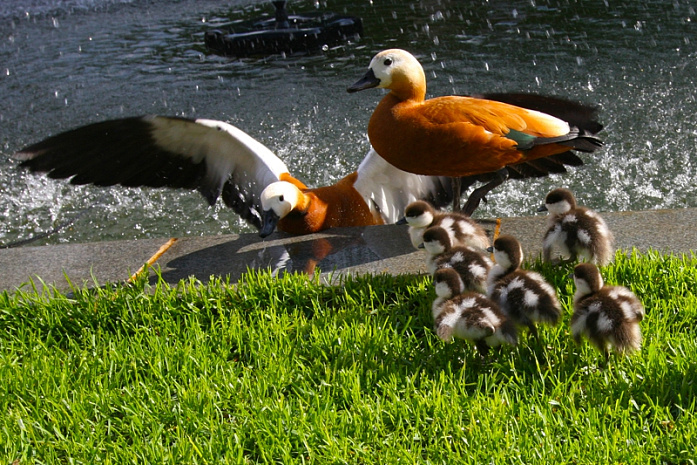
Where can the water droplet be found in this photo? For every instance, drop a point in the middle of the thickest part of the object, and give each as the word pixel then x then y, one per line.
pixel 325 47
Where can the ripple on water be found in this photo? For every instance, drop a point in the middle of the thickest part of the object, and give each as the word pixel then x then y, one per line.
pixel 104 59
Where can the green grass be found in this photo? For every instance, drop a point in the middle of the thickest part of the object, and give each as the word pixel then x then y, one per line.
pixel 290 371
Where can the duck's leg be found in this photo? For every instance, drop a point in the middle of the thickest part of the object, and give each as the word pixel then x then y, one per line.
pixel 459 185
pixel 479 193
pixel 457 192
pixel 483 351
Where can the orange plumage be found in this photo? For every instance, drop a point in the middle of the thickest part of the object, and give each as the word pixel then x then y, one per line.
pixel 456 136
pixel 321 208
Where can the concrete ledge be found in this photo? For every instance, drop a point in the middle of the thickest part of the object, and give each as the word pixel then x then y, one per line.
pixel 375 249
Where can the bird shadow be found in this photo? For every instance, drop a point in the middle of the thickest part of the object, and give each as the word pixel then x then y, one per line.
pixel 339 251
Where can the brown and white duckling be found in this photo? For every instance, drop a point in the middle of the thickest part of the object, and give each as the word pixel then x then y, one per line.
pixel 470 264
pixel 575 231
pixel 463 229
pixel 524 295
pixel 608 316
pixel 470 316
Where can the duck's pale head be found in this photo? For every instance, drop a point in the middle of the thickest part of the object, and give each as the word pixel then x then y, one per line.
pixel 278 199
pixel 559 201
pixel 397 70
pixel 419 214
pixel 587 279
pixel 508 252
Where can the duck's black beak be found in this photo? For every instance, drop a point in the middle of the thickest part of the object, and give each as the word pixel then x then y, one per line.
pixel 269 220
pixel 366 82
pixel 542 208
pixel 490 249
pixel 402 221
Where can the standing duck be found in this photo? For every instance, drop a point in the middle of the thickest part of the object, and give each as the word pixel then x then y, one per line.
pixel 576 232
pixel 470 316
pixel 462 229
pixel 463 136
pixel 523 295
pixel 470 264
pixel 608 316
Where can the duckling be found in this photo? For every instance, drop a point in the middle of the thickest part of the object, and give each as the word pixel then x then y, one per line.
pixel 470 316
pixel 524 295
pixel 470 264
pixel 576 231
pixel 462 229
pixel 608 316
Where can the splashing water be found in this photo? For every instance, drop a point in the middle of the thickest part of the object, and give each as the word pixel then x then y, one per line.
pixel 72 62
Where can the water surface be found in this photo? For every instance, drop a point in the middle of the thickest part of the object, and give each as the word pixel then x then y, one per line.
pixel 72 62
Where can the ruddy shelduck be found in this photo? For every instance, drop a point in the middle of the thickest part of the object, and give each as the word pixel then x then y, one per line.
pixel 608 316
pixel 468 315
pixel 463 136
pixel 524 295
pixel 463 230
pixel 575 232
pixel 470 263
pixel 218 159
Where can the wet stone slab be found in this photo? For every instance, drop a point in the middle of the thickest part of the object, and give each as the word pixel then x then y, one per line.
pixel 374 250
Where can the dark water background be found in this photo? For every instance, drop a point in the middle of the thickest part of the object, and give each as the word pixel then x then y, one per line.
pixel 72 62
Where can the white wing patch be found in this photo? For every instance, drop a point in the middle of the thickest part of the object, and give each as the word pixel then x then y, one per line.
pixel 228 151
pixel 388 190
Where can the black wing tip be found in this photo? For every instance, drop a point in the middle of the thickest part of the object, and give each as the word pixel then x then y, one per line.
pixel 243 203
pixel 582 115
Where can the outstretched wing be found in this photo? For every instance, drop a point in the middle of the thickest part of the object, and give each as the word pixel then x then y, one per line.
pixel 388 190
pixel 156 151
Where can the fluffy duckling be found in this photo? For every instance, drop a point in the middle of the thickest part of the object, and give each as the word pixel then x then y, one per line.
pixel 608 316
pixel 575 231
pixel 470 264
pixel 463 230
pixel 524 296
pixel 470 316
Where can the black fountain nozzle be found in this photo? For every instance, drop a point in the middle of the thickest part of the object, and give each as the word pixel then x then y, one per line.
pixel 285 33
pixel 281 14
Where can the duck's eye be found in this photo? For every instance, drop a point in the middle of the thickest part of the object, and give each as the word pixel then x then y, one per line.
pixel 387 62
pixel 280 198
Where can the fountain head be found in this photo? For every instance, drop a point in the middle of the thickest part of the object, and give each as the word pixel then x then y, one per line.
pixel 284 33
pixel 281 14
